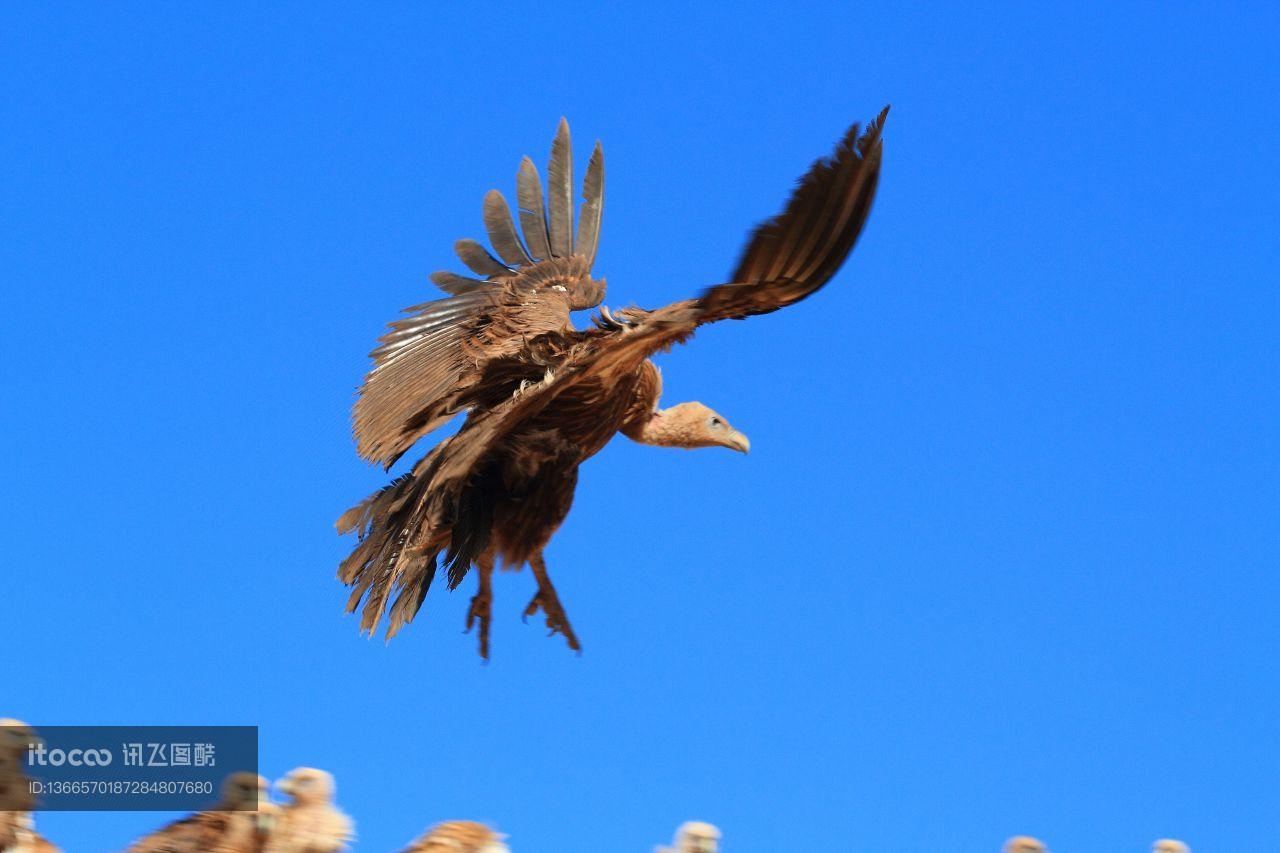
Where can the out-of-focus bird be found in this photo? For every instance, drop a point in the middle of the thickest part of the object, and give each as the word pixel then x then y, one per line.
pixel 15 737
pixel 694 837
pixel 1024 844
pixel 1169 845
pixel 311 822
pixel 18 835
pixel 243 824
pixel 459 836
pixel 17 823
pixel 542 396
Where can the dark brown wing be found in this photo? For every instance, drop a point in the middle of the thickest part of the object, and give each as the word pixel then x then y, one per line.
pixel 426 364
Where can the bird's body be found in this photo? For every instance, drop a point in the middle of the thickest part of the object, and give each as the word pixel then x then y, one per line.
pixel 242 823
pixel 541 396
pixel 311 823
pixel 17 822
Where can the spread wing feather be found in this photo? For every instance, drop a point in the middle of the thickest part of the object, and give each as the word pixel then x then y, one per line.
pixel 502 230
pixel 478 259
pixel 592 207
pixel 416 370
pixel 533 218
pixel 560 193
pixel 455 284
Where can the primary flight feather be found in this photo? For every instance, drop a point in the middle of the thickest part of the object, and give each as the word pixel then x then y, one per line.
pixel 540 395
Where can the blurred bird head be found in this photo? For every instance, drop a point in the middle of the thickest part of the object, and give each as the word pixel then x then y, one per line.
pixel 692 425
pixel 244 791
pixel 1169 845
pixel 15 737
pixel 697 837
pixel 307 785
pixel 1024 844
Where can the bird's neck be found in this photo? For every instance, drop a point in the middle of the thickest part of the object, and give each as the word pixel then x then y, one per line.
pixel 661 429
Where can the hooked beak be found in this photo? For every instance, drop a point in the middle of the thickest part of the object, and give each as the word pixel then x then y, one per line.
pixel 738 441
pixel 285 786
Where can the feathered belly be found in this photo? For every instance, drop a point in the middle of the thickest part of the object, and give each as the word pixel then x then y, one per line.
pixel 540 467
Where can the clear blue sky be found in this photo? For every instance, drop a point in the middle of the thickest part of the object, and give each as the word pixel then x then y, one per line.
pixel 1002 559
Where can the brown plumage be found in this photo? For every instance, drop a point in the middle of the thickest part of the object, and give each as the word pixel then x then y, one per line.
pixel 311 823
pixel 17 823
pixel 18 835
pixel 541 396
pixel 458 836
pixel 243 826
pixel 1024 844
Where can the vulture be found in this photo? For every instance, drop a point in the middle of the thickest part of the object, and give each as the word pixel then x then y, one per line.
pixel 694 837
pixel 1169 845
pixel 1024 844
pixel 18 835
pixel 542 396
pixel 242 824
pixel 459 836
pixel 311 823
pixel 17 824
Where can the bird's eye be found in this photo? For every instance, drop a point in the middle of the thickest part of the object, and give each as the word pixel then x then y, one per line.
pixel 716 423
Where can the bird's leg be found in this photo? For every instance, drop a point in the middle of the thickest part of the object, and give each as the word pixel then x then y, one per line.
pixel 547 599
pixel 481 603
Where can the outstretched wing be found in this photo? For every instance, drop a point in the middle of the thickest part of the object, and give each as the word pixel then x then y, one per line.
pixel 426 363
pixel 786 259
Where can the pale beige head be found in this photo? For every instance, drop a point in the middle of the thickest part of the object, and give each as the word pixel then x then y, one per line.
pixel 694 425
pixel 15 736
pixel 1024 844
pixel 697 837
pixel 244 791
pixel 1169 845
pixel 307 785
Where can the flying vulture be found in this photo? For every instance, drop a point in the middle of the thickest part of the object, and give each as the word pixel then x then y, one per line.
pixel 541 396
pixel 311 823
pixel 242 825
pixel 459 836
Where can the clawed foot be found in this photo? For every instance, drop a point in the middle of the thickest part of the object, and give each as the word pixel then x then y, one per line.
pixel 480 611
pixel 557 621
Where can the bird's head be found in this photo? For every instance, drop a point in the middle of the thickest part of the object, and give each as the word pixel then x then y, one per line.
pixel 244 791
pixel 307 785
pixel 1169 845
pixel 15 737
pixel 1024 844
pixel 697 837
pixel 695 425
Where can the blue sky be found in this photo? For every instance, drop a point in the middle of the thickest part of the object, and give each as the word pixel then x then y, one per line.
pixel 1002 558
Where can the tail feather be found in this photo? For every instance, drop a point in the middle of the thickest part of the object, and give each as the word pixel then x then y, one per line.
pixel 406 530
